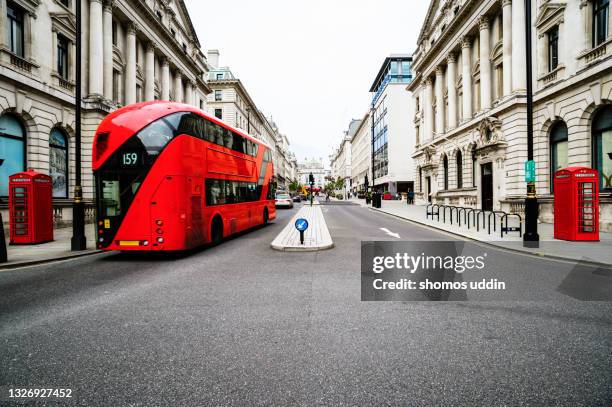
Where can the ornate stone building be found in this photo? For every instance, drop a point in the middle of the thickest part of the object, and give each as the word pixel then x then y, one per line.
pixel 470 93
pixel 132 50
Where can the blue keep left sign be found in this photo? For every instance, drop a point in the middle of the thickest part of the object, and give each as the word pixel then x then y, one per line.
pixel 301 224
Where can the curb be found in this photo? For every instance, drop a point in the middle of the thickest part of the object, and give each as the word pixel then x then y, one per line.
pixel 28 263
pixel 493 245
pixel 301 249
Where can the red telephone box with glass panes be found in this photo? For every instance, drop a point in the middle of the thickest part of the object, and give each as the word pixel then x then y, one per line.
pixel 30 207
pixel 576 204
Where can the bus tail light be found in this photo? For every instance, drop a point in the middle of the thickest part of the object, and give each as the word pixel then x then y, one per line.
pixel 160 231
pixel 145 243
pixel 160 240
pixel 159 222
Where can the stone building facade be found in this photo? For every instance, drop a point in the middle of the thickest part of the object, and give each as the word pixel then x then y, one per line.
pixel 341 159
pixel 231 102
pixel 470 94
pixel 361 154
pixel 316 167
pixel 132 50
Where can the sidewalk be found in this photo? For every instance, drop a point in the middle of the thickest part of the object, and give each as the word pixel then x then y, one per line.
pixel 58 249
pixel 597 252
pixel 316 237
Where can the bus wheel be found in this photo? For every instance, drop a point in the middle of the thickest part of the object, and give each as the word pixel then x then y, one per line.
pixel 216 233
pixel 265 216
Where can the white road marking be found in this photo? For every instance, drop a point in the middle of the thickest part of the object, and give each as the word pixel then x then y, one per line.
pixel 387 231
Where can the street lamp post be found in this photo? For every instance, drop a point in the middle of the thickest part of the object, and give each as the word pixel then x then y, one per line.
pixel 78 240
pixel 531 237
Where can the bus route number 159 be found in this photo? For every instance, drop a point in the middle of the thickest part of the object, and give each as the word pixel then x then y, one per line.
pixel 129 159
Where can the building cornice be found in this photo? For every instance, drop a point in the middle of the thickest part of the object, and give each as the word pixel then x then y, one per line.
pixel 457 24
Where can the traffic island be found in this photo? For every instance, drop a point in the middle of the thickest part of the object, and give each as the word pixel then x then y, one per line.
pixel 312 224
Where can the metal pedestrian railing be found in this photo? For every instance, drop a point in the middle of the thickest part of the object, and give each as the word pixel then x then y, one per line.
pixel 475 217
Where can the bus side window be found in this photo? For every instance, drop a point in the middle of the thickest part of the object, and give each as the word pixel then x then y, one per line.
pixel 209 134
pixel 254 153
pixel 228 138
pixel 238 143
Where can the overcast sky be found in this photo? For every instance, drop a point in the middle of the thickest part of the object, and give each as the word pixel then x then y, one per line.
pixel 308 63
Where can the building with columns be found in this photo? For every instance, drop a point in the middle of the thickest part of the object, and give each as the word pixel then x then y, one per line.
pixel 132 51
pixel 314 166
pixel 470 92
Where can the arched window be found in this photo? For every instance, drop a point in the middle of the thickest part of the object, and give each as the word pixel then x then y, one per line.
pixel 558 149
pixel 58 163
pixel 602 146
pixel 12 149
pixel 445 164
pixel 459 163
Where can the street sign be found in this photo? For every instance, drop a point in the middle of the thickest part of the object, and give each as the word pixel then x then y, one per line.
pixel 530 171
pixel 301 225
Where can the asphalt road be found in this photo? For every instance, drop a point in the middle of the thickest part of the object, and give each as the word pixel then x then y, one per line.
pixel 241 324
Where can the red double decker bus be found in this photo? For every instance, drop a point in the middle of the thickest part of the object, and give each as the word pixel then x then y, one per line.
pixel 170 177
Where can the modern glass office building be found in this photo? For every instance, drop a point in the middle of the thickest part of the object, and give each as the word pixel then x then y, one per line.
pixel 391 125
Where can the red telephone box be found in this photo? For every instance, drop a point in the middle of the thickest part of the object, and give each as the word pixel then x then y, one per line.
pixel 576 204
pixel 30 207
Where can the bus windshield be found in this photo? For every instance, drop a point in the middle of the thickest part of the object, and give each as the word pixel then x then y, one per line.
pixel 118 181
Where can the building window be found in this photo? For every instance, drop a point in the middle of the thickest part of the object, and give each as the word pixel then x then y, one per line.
pixel 498 90
pixel 219 76
pixel 185 48
pixel 201 104
pixel 14 29
pixel 63 46
pixel 218 95
pixel 219 113
pixel 459 163
pixel 602 147
pixel 445 167
pixel 12 150
pixel 114 32
pixel 558 149
pixel 159 15
pixel 553 48
pixel 116 79
pixel 58 163
pixel 600 21
pixel 173 31
pixel 138 93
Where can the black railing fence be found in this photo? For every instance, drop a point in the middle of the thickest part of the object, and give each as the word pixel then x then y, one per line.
pixel 475 217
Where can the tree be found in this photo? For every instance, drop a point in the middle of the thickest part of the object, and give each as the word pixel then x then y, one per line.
pixel 339 184
pixel 295 186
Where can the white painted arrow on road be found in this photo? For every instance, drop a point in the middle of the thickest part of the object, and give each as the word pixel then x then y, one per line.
pixel 387 231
